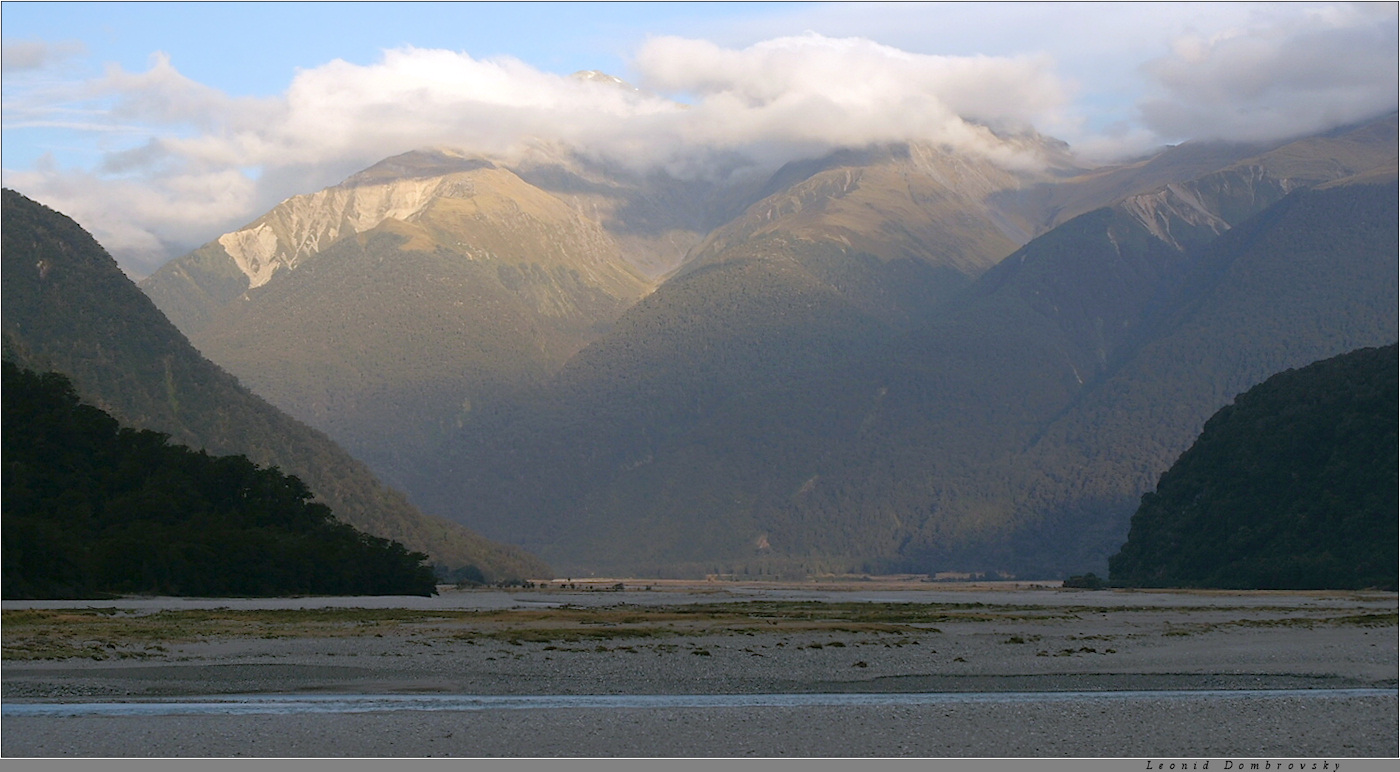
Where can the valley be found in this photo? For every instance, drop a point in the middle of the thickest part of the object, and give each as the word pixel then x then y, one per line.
pixel 892 359
pixel 1009 381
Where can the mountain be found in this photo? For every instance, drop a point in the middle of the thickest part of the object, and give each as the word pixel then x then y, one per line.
pixel 749 416
pixel 385 309
pixel 835 255
pixel 392 308
pixel 893 203
pixel 1291 486
pixel 69 308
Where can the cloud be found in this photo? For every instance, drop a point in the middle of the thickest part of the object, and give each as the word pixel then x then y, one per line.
pixel 24 55
pixel 205 163
pixel 1277 78
pixel 414 97
pixel 182 162
pixel 806 94
pixel 820 92
pixel 162 96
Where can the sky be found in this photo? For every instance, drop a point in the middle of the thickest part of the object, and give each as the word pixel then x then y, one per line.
pixel 160 126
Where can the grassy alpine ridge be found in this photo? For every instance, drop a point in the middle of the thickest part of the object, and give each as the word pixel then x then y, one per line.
pixel 1291 487
pixel 93 508
pixel 68 308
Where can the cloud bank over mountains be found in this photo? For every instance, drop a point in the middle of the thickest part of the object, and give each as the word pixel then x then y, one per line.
pixel 1301 75
pixel 204 162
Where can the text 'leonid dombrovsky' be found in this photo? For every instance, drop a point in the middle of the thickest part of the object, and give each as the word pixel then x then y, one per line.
pixel 1247 766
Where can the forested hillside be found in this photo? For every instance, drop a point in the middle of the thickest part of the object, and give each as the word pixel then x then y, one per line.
pixel 1310 278
pixel 94 508
pixel 1292 486
pixel 1012 432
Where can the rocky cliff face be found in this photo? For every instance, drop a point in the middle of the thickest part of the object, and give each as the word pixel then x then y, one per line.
pixel 302 226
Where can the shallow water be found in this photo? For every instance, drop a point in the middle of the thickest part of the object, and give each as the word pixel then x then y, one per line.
pixel 287 704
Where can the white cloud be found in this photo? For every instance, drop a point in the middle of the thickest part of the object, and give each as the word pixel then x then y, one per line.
pixel 1277 77
pixel 823 92
pixel 22 55
pixel 182 162
pixel 161 96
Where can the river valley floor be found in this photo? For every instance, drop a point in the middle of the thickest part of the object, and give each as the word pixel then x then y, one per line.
pixel 717 669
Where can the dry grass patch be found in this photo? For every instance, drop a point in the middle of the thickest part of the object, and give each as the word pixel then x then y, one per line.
pixel 109 633
pixel 104 633
pixel 1307 623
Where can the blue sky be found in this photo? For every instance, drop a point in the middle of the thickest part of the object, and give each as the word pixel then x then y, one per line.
pixel 159 126
pixel 252 49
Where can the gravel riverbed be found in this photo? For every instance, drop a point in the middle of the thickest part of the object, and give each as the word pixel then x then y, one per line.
pixel 1026 641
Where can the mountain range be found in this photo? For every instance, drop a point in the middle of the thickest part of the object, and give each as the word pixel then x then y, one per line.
pixel 890 358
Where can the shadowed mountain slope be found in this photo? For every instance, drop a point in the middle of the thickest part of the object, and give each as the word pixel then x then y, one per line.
pixel 69 308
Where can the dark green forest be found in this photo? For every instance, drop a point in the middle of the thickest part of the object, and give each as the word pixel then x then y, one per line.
pixel 92 508
pixel 1291 487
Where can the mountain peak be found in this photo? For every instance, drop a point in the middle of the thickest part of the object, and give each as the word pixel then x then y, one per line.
pixel 419 164
pixel 400 188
